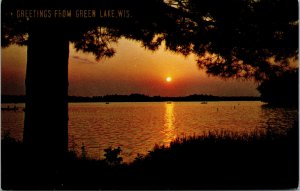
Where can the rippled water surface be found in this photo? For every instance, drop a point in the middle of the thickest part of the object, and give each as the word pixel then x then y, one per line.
pixel 137 127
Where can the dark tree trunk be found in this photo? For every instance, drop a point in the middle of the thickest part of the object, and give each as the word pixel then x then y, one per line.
pixel 46 111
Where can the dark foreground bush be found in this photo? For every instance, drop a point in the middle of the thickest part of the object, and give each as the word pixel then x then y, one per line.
pixel 214 161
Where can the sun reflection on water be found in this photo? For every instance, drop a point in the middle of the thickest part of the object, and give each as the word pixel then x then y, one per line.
pixel 169 124
pixel 137 127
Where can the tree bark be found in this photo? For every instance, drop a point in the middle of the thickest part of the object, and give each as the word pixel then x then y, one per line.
pixel 46 111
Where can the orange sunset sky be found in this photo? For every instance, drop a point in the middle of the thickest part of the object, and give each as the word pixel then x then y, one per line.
pixel 133 69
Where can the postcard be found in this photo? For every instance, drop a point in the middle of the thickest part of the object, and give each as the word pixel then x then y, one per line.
pixel 148 95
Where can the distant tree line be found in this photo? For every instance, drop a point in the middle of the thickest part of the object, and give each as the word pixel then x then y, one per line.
pixel 138 98
pixel 12 98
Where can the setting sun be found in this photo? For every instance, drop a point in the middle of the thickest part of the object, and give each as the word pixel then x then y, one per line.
pixel 168 79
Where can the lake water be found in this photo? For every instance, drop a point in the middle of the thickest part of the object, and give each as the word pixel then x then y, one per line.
pixel 137 127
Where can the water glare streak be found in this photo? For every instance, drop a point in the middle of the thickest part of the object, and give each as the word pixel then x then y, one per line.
pixel 169 127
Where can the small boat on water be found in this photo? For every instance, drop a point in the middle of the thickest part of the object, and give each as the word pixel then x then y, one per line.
pixel 204 102
pixel 107 103
pixel 169 102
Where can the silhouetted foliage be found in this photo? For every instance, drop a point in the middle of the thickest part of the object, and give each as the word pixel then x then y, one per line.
pixel 239 38
pixel 282 89
pixel 12 98
pixel 83 152
pixel 98 42
pixel 233 38
pixel 112 156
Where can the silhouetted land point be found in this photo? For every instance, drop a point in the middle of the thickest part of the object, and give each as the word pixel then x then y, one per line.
pixel 223 160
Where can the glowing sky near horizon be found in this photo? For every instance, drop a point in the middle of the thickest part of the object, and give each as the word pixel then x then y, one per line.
pixel 133 69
